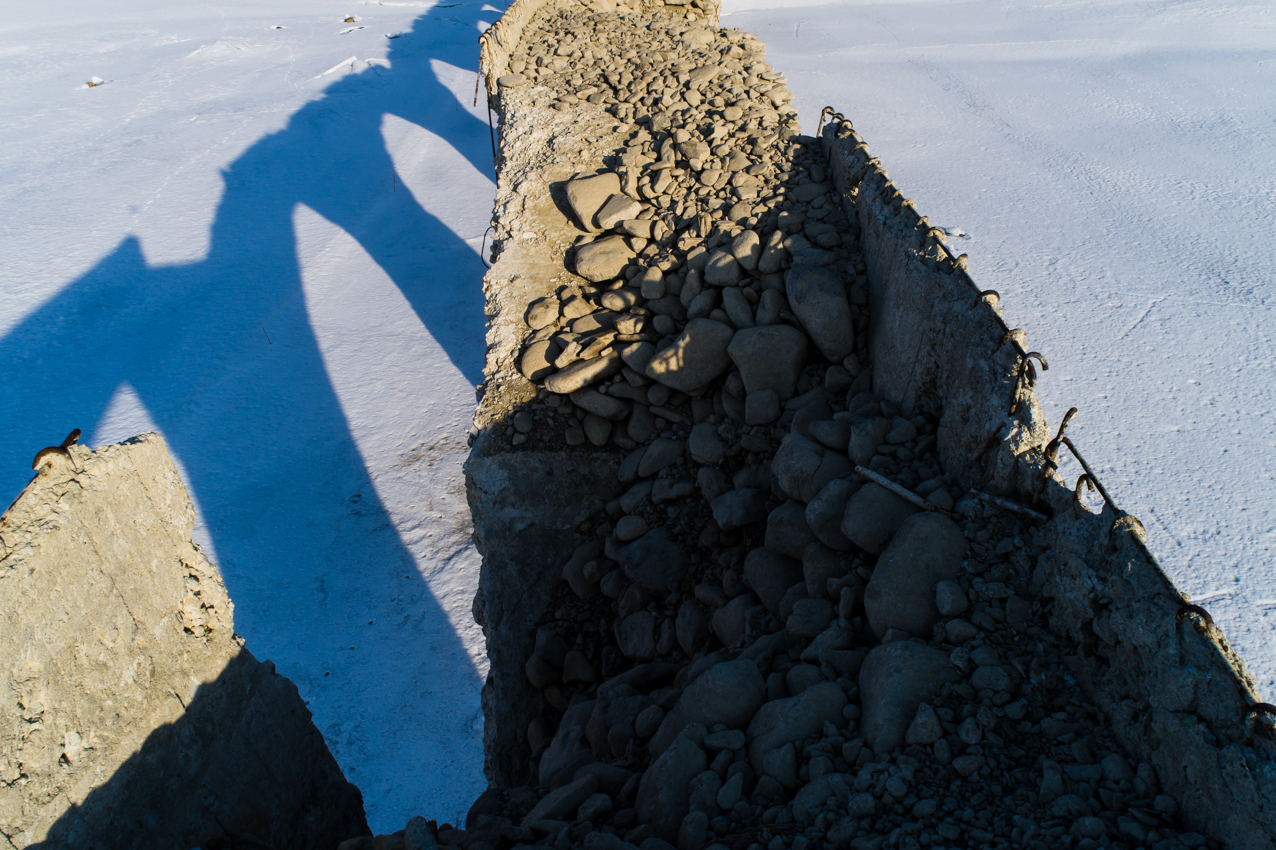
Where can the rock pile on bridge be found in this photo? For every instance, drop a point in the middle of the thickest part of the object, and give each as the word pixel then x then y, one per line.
pixel 750 643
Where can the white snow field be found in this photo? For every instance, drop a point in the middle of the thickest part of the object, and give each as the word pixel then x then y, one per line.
pixel 279 270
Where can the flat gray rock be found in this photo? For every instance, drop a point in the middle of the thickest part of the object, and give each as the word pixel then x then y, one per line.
pixel 697 356
pixel 603 259
pixel 770 576
pixel 663 799
pixel 820 304
pixel 586 196
pixel 792 719
pixel 825 512
pixel 722 269
pixel 787 532
pixel 895 679
pixel 795 465
pixel 769 357
pixel 704 444
pixel 737 508
pixel 927 548
pixel 653 562
pixel 729 693
pixel 562 803
pixel 873 515
pixel 582 373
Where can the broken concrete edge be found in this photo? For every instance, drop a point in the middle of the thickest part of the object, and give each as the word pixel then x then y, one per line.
pixel 141 704
pixel 1172 688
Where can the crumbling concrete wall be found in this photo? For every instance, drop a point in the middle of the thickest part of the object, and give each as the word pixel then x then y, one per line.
pixel 134 716
pixel 1166 680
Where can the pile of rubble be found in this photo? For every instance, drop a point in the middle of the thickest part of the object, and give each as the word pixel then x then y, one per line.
pixel 791 629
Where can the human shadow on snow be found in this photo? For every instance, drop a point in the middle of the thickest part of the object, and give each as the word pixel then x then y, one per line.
pixel 308 551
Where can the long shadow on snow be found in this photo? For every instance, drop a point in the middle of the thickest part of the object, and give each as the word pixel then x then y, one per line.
pixel 256 425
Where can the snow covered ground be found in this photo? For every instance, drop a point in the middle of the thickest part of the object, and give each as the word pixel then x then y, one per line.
pixel 278 269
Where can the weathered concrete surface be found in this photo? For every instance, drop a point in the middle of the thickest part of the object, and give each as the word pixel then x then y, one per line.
pixel 134 717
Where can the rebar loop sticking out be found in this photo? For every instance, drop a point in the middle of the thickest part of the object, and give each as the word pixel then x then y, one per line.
pixel 1051 454
pixel 1188 608
pixel 1082 482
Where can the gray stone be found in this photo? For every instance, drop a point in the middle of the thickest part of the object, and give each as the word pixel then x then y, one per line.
pixel 795 465
pixel 586 196
pixel 728 693
pixel 630 528
pixel 691 627
pixel 562 803
pixel 819 564
pixel 662 799
pixel 950 599
pixel 595 808
pixel 810 801
pixel 865 437
pixel 824 513
pixel 809 192
pixel 901 431
pixel 831 433
pixel 637 355
pixel 693 834
pixel 616 209
pixel 927 548
pixel 958 632
pixel 660 454
pixel 704 445
pixel 772 307
pixel 584 372
pixel 722 269
pixel 537 361
pixel 696 357
pixel 991 678
pixel 636 636
pixel 542 313
pixel 747 250
pixel 727 739
pixel 737 508
pixel 568 750
pixel 653 562
pixel 793 719
pixel 761 407
pixel 781 763
pixel 619 300
pixel 769 357
pixel 897 677
pixel 593 401
pixel 703 794
pixel 511 81
pixel 800 677
pixel 737 307
pixel 820 304
pixel 872 517
pixel 603 259
pixel 810 617
pixel 728 621
pixel 787 532
pixel 833 466
pixel 770 576
pixel 648 721
pixel 773 254
pixel 925 728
